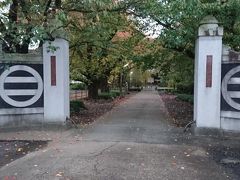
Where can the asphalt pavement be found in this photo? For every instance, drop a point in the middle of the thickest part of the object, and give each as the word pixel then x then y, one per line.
pixel 133 141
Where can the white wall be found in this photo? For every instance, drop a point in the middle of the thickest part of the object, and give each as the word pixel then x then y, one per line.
pixel 56 98
pixel 230 124
pixel 207 99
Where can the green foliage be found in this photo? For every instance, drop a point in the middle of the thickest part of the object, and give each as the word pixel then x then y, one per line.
pixel 174 48
pixel 78 86
pixel 184 88
pixel 105 96
pixel 76 106
pixel 92 25
pixel 185 97
pixel 137 78
pixel 174 69
pixel 98 49
pixel 163 90
pixel 24 23
pixel 180 74
pixel 179 20
pixel 109 95
pixel 51 48
pixel 116 93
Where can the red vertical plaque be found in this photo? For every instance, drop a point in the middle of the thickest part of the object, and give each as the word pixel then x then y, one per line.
pixel 209 71
pixel 53 71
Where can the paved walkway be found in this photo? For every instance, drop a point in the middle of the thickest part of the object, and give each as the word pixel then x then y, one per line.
pixel 133 141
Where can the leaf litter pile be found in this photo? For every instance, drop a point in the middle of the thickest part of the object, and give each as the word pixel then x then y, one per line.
pixel 12 150
pixel 181 112
pixel 95 109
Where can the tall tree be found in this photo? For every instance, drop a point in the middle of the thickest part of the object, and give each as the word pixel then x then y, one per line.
pixel 23 22
pixel 97 47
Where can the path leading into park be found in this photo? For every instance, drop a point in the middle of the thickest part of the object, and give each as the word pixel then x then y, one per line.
pixel 133 141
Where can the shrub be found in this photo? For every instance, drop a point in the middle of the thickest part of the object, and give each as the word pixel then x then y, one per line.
pixel 116 93
pixel 105 95
pixel 78 86
pixel 76 106
pixel 109 95
pixel 166 90
pixel 184 88
pixel 185 97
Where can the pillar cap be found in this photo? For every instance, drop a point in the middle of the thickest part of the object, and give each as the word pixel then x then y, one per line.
pixel 209 26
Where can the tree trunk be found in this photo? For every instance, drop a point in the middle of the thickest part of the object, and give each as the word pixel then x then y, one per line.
pixel 121 82
pixel 104 85
pixel 93 90
pixel 9 45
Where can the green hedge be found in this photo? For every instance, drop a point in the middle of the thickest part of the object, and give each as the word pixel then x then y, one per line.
pixel 76 106
pixel 109 95
pixel 115 93
pixel 78 86
pixel 185 97
pixel 184 88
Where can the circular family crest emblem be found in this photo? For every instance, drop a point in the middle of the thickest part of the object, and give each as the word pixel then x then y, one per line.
pixel 26 96
pixel 229 96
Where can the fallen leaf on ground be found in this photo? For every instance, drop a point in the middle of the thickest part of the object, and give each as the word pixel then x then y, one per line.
pixel 59 174
pixel 19 149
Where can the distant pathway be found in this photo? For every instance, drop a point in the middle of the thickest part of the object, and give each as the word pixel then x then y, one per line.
pixel 142 118
pixel 134 141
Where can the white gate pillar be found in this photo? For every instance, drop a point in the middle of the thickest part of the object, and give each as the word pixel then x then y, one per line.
pixel 56 81
pixel 207 87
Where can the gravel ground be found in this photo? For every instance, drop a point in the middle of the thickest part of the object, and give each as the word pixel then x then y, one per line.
pixel 12 150
pixel 228 157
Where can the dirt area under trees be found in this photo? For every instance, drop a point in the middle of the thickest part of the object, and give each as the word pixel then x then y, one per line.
pixel 181 112
pixel 12 150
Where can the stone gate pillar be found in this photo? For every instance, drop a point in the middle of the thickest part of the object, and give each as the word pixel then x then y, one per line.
pixel 56 81
pixel 207 80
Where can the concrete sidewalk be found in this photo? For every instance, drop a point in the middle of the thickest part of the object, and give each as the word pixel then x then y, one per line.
pixel 133 141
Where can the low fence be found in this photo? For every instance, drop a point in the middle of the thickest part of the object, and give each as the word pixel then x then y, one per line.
pixel 78 94
pixel 82 94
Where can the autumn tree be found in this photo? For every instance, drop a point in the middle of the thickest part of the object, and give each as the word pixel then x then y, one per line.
pixel 97 47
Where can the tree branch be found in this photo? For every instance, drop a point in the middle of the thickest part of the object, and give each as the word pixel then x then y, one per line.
pixel 47 6
pixel 165 25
